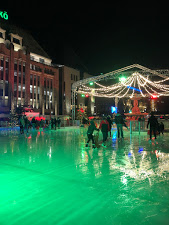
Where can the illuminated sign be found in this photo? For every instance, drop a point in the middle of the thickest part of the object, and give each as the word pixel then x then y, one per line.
pixel 113 109
pixel 4 15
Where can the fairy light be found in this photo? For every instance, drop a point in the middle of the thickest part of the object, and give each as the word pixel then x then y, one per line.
pixel 121 89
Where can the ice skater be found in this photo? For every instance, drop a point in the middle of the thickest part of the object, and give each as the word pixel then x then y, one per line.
pixel 26 124
pixel 110 123
pixel 119 120
pixel 104 126
pixel 153 125
pixel 90 131
pixel 161 128
pixel 59 122
pixel 21 124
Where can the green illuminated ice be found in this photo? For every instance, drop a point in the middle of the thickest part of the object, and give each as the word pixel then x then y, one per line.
pixel 50 178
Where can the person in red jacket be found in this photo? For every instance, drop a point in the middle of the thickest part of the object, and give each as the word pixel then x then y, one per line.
pixel 104 126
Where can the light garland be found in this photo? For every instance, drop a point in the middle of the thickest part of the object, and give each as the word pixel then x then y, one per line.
pixel 122 89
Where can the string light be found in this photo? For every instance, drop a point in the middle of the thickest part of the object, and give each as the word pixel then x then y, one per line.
pixel 127 87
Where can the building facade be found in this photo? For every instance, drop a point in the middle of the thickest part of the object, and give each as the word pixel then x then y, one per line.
pixel 71 75
pixel 27 76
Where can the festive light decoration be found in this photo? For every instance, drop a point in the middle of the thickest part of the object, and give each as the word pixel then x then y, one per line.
pixel 127 87
pixel 154 97
pixel 122 79
pixel 138 77
pixel 91 83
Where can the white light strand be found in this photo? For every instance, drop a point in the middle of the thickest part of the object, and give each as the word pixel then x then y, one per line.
pixel 122 89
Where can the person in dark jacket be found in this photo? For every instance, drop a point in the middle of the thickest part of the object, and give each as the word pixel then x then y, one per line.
pixel 90 131
pixel 104 126
pixel 161 127
pixel 110 123
pixel 33 122
pixel 58 122
pixel 54 123
pixel 26 123
pixel 119 120
pixel 153 125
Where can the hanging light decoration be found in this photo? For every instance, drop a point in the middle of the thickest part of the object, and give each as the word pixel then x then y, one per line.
pixel 128 86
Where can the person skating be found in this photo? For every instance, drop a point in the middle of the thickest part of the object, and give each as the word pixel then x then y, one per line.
pixel 55 123
pixel 26 123
pixel 161 125
pixel 33 122
pixel 119 120
pixel 90 131
pixel 110 123
pixel 153 125
pixel 21 124
pixel 104 126
pixel 59 122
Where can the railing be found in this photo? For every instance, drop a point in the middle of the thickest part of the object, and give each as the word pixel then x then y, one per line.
pixel 3 123
pixel 138 126
pixel 69 123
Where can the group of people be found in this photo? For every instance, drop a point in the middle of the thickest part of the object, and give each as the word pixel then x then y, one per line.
pixel 55 123
pixel 26 124
pixel 106 125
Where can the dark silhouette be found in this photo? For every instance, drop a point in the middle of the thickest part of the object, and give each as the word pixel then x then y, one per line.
pixel 104 126
pixel 90 131
pixel 153 125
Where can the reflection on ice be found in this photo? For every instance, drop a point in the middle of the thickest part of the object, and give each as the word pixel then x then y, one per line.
pixel 133 161
pixel 54 175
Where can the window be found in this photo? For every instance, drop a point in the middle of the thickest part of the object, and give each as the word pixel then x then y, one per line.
pixel 15 67
pixel 2 68
pixel 15 79
pixel 38 81
pixel 34 80
pixel 71 76
pixel 1 35
pixel 31 89
pixel 31 79
pixel 23 73
pixel 7 69
pixel 41 60
pixel 32 58
pixel 16 41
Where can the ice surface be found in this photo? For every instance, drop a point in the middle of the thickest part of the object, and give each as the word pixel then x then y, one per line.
pixel 48 177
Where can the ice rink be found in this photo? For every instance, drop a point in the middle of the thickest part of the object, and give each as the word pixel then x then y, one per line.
pixel 48 177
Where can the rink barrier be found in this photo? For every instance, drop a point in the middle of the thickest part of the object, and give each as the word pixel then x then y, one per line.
pixel 137 126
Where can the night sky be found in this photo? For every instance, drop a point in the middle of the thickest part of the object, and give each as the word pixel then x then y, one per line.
pixel 103 36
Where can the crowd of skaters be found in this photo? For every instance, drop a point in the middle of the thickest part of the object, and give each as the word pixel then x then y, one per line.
pixel 35 124
pixel 119 119
pixel 105 127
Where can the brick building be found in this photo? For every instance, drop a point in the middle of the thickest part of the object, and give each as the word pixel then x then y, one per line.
pixel 27 76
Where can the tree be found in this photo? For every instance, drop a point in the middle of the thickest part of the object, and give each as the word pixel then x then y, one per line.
pixel 80 114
